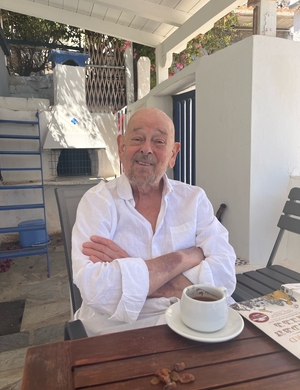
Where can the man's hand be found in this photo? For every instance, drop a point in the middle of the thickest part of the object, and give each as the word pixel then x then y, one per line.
pixel 173 288
pixel 101 249
pixel 164 268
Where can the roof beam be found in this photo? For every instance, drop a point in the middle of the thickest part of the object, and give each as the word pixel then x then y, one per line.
pixel 199 5
pixel 202 21
pixel 157 12
pixel 81 21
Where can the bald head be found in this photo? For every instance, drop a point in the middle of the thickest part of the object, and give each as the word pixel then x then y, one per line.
pixel 150 114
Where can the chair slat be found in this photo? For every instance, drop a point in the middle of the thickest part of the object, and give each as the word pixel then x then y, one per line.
pixel 292 208
pixel 243 293
pixel 294 194
pixel 288 223
pixel 253 284
pixel 263 279
pixel 272 273
pixel 272 277
pixel 286 271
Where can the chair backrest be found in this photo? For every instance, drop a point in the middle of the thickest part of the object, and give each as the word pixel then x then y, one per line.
pixel 67 198
pixel 289 220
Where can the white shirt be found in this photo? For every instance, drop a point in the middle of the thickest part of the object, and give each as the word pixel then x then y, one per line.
pixel 115 294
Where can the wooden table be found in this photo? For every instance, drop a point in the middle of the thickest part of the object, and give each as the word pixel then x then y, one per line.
pixel 128 360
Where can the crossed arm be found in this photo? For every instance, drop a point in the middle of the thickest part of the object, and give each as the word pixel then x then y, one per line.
pixel 165 272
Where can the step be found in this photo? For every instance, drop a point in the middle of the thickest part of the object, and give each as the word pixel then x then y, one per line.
pixel 22 207
pixel 16 229
pixel 20 169
pixel 19 122
pixel 19 152
pixel 32 251
pixel 16 136
pixel 21 187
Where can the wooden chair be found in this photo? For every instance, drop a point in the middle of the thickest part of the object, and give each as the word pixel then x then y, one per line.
pixel 67 198
pixel 253 284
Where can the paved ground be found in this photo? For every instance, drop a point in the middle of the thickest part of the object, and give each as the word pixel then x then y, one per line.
pixel 46 310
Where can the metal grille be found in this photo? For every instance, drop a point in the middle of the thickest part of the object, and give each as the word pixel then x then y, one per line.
pixel 72 162
pixel 105 81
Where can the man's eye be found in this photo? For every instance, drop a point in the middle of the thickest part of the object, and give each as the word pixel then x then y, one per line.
pixel 160 141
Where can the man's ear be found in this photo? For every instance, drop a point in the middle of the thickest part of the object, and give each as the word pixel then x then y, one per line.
pixel 121 145
pixel 175 150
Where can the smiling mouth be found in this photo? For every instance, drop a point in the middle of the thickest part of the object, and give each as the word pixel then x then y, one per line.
pixel 145 164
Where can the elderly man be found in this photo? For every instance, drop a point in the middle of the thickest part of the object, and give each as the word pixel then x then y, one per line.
pixel 140 239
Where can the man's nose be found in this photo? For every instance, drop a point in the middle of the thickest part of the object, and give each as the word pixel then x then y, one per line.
pixel 146 147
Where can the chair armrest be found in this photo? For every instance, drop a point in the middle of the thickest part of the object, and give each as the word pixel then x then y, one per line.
pixel 74 330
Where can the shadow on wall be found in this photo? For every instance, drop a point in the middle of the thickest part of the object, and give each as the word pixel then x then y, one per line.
pixel 70 123
pixel 108 127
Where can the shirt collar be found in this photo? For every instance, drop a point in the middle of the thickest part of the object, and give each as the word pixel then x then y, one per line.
pixel 124 188
pixel 125 191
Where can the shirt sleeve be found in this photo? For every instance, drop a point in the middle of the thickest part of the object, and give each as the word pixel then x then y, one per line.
pixel 218 268
pixel 119 288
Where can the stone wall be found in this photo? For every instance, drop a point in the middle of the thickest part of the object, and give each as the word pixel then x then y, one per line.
pixel 32 87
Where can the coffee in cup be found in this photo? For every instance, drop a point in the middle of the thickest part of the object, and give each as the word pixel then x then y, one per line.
pixel 204 308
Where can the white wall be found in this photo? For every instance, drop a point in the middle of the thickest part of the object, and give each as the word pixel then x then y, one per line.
pixel 223 136
pixel 275 134
pixel 247 137
pixel 109 160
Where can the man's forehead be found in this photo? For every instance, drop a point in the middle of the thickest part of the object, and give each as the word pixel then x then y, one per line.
pixel 152 119
pixel 154 130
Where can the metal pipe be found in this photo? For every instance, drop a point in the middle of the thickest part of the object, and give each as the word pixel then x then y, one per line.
pixel 104 66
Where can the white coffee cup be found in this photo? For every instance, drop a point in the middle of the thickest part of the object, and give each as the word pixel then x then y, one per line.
pixel 204 308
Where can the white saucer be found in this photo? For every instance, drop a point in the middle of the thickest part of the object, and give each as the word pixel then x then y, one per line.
pixel 233 328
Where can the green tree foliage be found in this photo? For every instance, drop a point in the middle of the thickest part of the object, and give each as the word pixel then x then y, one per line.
pixel 35 36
